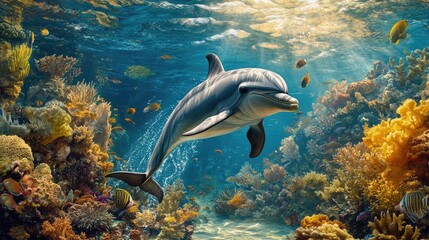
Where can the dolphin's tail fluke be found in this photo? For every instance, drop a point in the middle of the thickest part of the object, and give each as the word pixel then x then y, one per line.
pixel 135 179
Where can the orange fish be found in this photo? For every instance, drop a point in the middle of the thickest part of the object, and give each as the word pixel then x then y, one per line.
pixel 117 128
pixel 192 198
pixel 219 151
pixel 112 120
pixel 131 111
pixel 201 193
pixel 13 187
pixel 166 57
pixel 117 158
pixel 10 203
pixel 39 103
pixel 129 120
pixel 155 106
pixel 305 80
pixel 300 63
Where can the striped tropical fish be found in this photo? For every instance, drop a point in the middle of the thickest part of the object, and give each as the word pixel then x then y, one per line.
pixel 414 205
pixel 122 200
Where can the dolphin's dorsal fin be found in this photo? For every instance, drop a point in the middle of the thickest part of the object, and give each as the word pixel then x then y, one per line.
pixel 256 136
pixel 209 122
pixel 215 65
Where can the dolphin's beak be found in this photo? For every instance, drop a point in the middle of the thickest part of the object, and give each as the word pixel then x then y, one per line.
pixel 284 101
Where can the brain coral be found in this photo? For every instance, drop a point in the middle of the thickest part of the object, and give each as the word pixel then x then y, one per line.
pixel 15 156
pixel 50 122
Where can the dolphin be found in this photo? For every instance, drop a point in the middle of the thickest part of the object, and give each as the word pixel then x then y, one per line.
pixel 223 103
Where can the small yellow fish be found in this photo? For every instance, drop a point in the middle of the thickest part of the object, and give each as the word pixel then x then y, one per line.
pixel 155 106
pixel 305 80
pixel 13 187
pixel 10 203
pixel 129 120
pixel 44 32
pixel 300 63
pixel 117 128
pixel 131 111
pixel 115 109
pixel 122 199
pixel 398 31
pixel 112 120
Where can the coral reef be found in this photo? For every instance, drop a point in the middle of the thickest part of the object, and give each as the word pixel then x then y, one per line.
pixel 90 217
pixel 392 227
pixel 237 200
pixel 318 226
pixel 137 71
pixel 247 177
pixel 61 229
pixel 273 172
pixel 16 156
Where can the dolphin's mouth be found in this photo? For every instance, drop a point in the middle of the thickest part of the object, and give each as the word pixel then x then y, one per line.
pixel 282 100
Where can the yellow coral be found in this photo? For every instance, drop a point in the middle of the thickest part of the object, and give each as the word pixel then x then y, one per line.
pixel 15 157
pixel 316 220
pixel 18 64
pixel 325 231
pixel 391 137
pixel 57 119
pixel 391 227
pixel 145 219
pixel 13 73
pixel 238 199
pixel 384 194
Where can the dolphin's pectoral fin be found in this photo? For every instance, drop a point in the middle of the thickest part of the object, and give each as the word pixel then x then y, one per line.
pixel 133 179
pixel 256 136
pixel 215 65
pixel 152 187
pixel 208 123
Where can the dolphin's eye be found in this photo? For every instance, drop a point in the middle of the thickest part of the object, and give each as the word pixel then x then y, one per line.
pixel 243 89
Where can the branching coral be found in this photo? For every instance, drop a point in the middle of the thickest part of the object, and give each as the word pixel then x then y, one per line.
pixel 15 157
pixel 145 219
pixel 91 217
pixel 49 123
pixel 55 66
pixel 391 227
pixel 273 172
pixel 290 149
pixel 13 72
pixel 237 200
pixel 102 127
pixel 173 225
pixel 391 138
pixel 247 177
pixel 61 229
pixel 415 67
pixel 358 168
pixel 81 103
pixel 173 195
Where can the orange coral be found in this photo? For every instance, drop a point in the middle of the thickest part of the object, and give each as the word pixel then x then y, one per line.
pixel 61 229
pixel 365 86
pixel 84 199
pixel 238 199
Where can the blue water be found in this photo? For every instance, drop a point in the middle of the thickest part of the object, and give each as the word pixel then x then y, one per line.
pixel 340 40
